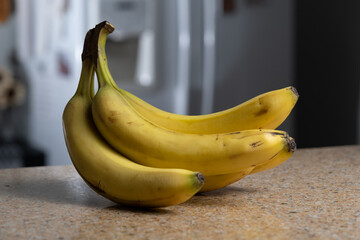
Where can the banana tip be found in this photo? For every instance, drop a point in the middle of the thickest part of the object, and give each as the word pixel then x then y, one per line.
pixel 200 178
pixel 291 144
pixel 293 89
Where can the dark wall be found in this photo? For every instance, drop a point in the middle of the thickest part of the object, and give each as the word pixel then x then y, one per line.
pixel 327 72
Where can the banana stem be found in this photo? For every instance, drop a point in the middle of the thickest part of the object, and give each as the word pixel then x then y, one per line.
pixel 94 49
pixel 101 31
pixel 86 82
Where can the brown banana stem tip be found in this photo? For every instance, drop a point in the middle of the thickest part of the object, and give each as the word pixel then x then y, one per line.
pixel 291 144
pixel 293 89
pixel 90 49
pixel 87 50
pixel 200 177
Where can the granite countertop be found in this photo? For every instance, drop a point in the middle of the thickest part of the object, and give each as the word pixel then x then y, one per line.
pixel 314 195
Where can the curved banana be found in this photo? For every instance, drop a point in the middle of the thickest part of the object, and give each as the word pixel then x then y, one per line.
pixel 266 111
pixel 150 145
pixel 110 174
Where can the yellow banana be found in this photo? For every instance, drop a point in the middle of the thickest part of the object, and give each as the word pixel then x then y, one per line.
pixel 150 145
pixel 266 111
pixel 109 173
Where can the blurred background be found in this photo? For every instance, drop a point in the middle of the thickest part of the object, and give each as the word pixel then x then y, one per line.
pixel 183 56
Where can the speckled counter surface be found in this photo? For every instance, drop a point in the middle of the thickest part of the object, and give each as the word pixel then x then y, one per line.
pixel 314 195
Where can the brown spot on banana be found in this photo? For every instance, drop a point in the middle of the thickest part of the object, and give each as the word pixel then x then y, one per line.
pixel 256 144
pixel 114 113
pixel 113 116
pixel 112 119
pixel 231 133
pixel 262 111
pixel 135 123
pixel 234 156
pixel 274 155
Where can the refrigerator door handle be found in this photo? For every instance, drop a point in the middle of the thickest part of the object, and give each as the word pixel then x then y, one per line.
pixel 209 56
pixel 182 87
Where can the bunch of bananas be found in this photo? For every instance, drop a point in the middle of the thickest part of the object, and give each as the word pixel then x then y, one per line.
pixel 133 153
